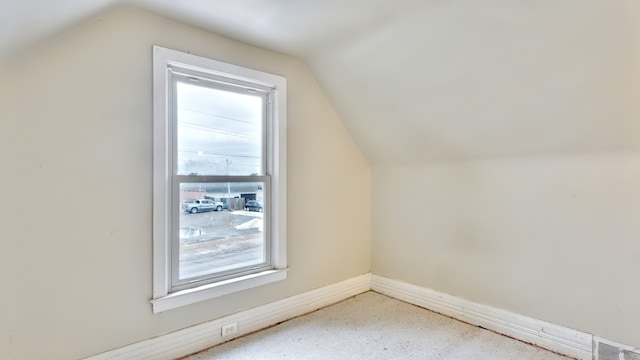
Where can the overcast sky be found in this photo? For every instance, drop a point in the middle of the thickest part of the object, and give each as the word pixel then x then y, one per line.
pixel 215 126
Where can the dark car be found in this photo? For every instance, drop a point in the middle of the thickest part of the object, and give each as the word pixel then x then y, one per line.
pixel 253 205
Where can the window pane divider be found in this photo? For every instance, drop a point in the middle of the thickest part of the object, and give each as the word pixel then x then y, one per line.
pixel 221 178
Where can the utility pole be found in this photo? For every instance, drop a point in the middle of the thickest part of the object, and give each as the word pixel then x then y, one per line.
pixel 228 184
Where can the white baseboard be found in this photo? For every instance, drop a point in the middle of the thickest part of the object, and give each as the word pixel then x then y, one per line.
pixel 188 341
pixel 199 337
pixel 553 337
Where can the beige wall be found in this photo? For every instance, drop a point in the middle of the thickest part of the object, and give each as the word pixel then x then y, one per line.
pixel 553 238
pixel 510 173
pixel 76 151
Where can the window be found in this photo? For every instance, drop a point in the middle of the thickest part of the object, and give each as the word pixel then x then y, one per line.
pixel 219 198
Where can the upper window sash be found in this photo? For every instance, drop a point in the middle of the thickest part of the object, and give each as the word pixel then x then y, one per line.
pixel 201 85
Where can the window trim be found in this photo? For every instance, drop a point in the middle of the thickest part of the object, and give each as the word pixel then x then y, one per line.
pixel 163 299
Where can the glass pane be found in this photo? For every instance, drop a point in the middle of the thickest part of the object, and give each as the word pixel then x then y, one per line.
pixel 221 227
pixel 219 132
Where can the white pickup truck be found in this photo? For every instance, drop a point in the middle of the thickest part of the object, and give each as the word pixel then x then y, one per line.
pixel 200 205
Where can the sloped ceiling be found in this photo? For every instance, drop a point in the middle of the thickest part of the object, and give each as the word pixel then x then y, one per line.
pixel 432 80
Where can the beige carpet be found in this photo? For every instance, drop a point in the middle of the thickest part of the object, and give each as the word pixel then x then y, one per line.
pixel 374 326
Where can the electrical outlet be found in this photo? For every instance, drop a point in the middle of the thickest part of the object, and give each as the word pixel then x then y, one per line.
pixel 229 329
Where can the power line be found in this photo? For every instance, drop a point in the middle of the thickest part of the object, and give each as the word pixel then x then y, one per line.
pixel 219 154
pixel 216 115
pixel 218 130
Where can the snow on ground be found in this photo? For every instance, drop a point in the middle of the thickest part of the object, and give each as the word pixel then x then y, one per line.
pixel 251 224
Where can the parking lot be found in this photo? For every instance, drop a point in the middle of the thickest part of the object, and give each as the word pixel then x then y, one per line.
pixel 218 240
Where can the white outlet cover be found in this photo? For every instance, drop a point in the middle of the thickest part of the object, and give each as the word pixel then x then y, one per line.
pixel 229 329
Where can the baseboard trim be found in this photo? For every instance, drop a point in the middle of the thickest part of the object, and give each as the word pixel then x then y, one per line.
pixel 196 338
pixel 199 337
pixel 550 336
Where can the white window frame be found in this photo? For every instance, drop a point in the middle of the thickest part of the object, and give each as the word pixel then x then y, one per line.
pixel 164 60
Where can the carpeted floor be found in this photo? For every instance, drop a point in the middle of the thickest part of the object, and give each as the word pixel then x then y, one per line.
pixel 374 326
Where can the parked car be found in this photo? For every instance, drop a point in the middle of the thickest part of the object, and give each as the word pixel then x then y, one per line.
pixel 200 205
pixel 253 205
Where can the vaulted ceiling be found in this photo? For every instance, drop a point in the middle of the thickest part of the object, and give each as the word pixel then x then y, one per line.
pixel 416 81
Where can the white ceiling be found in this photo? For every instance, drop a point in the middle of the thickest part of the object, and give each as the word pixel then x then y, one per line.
pixel 294 27
pixel 428 80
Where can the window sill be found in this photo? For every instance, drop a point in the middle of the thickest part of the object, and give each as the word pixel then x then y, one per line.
pixel 210 291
